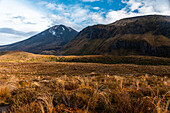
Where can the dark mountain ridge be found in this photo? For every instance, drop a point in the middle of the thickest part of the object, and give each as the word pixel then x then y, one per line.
pixel 144 35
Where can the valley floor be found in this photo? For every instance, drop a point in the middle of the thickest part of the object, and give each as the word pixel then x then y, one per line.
pixel 84 88
pixel 68 68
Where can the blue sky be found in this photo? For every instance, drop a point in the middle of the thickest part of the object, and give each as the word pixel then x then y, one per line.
pixel 29 17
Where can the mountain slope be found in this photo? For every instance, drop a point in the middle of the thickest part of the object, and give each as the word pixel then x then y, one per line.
pixel 145 35
pixel 45 42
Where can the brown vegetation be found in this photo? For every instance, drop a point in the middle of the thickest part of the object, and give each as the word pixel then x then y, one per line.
pixel 60 68
pixel 84 88
pixel 19 56
pixel 32 83
pixel 100 93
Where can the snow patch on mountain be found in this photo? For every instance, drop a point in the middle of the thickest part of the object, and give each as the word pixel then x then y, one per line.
pixel 63 28
pixel 52 32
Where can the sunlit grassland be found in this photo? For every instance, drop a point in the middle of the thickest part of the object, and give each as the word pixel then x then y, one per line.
pixel 93 92
pixel 31 83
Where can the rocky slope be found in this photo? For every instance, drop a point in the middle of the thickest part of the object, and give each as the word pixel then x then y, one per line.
pixel 46 42
pixel 145 35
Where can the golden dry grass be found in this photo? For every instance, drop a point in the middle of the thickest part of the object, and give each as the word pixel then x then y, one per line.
pixel 60 68
pixel 43 86
pixel 19 56
pixel 101 93
pixel 84 88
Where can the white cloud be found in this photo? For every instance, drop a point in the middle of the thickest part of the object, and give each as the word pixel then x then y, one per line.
pixel 74 16
pixel 96 8
pixel 42 3
pixel 134 4
pixel 144 7
pixel 20 16
pixel 149 6
pixel 113 16
pixel 90 0
pixel 79 17
pixel 51 6
pixel 156 6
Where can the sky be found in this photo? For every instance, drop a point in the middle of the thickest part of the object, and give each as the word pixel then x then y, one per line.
pixel 21 19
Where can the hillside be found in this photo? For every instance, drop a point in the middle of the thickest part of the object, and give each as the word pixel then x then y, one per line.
pixel 46 42
pixel 20 56
pixel 145 35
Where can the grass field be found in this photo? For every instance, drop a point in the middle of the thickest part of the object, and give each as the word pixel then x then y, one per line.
pixel 18 56
pixel 43 85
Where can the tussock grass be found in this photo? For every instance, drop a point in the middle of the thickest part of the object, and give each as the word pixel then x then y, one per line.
pixel 89 93
pixel 84 88
pixel 4 92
